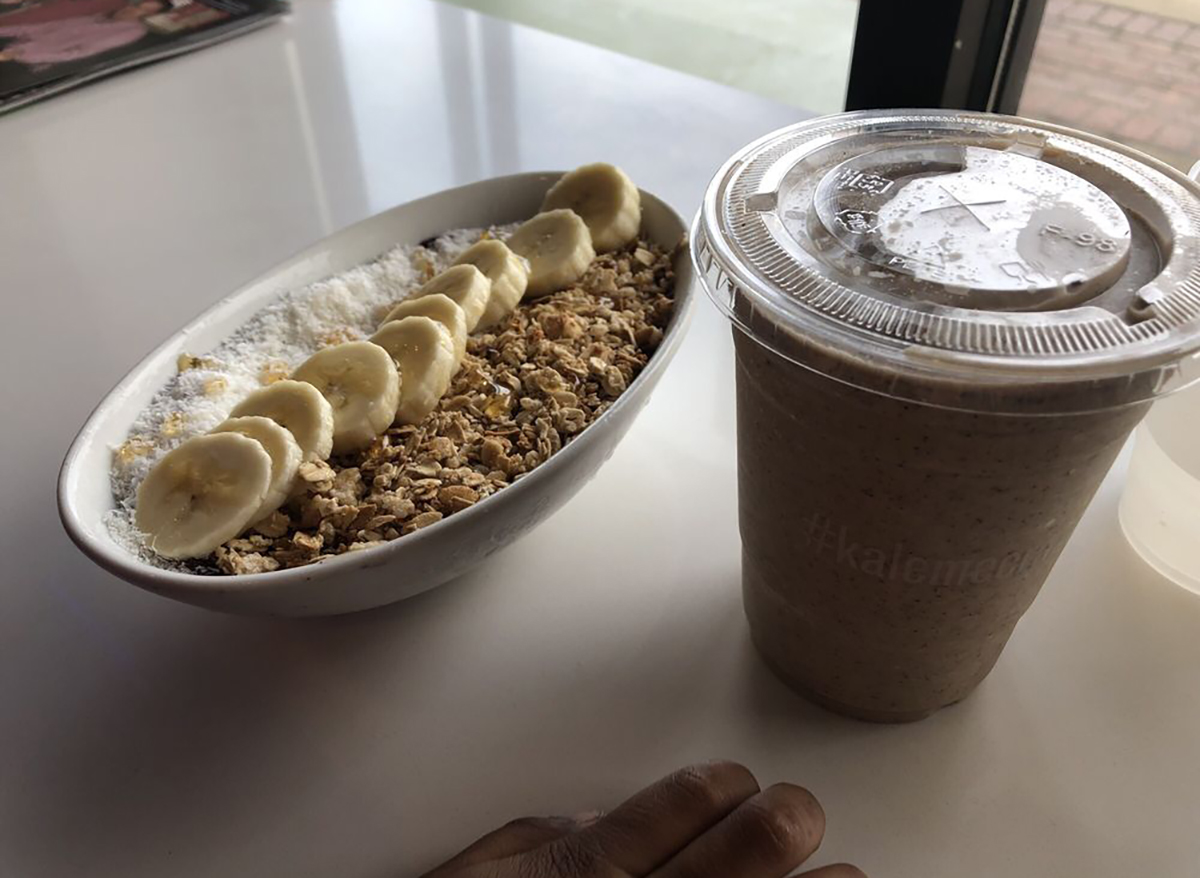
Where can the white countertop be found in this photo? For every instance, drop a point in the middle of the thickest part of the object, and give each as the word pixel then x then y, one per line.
pixel 145 738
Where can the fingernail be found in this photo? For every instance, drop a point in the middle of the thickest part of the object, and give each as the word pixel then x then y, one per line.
pixel 587 818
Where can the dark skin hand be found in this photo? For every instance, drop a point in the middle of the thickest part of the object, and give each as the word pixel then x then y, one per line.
pixel 704 821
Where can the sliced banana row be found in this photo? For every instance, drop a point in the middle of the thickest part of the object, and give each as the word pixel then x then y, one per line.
pixel 440 308
pixel 507 272
pixel 297 406
pixel 212 488
pixel 605 199
pixel 465 285
pixel 362 385
pixel 203 493
pixel 558 245
pixel 426 334
pixel 595 208
pixel 425 353
pixel 283 449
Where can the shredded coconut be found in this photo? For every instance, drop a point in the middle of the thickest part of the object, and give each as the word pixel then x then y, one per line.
pixel 267 348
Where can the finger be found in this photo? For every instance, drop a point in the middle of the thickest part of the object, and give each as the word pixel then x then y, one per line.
pixel 841 870
pixel 649 828
pixel 515 837
pixel 767 836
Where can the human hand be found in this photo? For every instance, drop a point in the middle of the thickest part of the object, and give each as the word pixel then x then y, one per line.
pixel 704 821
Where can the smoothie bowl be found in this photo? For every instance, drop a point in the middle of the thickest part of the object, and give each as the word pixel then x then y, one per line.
pixel 386 409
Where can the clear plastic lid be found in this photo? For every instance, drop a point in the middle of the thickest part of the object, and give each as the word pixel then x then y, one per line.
pixel 960 259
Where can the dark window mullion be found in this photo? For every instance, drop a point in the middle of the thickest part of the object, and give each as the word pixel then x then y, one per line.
pixel 964 54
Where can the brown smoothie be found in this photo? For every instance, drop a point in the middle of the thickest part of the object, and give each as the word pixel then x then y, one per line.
pixel 890 547
pixel 946 325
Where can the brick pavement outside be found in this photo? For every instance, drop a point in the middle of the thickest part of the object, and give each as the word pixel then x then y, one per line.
pixel 1127 75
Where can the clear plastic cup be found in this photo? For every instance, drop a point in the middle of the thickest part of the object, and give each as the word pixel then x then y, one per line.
pixel 1160 506
pixel 947 324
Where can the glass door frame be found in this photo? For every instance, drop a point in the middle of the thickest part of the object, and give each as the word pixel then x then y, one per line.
pixel 955 54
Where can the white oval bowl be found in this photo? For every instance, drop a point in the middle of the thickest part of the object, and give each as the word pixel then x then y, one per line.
pixel 420 560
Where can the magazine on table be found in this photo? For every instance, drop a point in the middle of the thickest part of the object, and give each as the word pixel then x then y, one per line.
pixel 48 46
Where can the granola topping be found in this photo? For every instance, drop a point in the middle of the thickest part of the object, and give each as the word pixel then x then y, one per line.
pixel 526 388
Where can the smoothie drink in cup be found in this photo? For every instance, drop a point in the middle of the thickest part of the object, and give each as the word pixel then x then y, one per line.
pixel 946 325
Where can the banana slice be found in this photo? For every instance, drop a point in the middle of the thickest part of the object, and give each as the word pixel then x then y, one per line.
pixel 361 383
pixel 464 285
pixel 300 408
pixel 508 272
pixel 605 199
pixel 442 309
pixel 425 352
pixel 558 246
pixel 283 450
pixel 202 493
